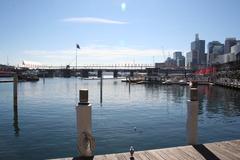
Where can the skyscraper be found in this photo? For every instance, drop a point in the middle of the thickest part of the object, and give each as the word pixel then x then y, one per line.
pixel 189 60
pixel 198 53
pixel 214 48
pixel 177 55
pixel 229 42
pixel 179 59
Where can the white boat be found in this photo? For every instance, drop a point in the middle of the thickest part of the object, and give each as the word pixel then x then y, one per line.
pixel 182 82
pixel 91 78
pixel 168 82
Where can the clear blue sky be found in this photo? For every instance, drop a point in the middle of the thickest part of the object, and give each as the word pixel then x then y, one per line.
pixel 110 31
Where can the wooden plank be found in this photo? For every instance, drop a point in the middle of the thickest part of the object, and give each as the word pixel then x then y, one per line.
pixel 237 142
pixel 178 154
pixel 163 153
pixel 231 147
pixel 120 156
pixel 110 157
pixel 160 156
pixel 226 150
pixel 152 156
pixel 192 152
pixel 126 156
pixel 233 144
pixel 222 154
pixel 142 156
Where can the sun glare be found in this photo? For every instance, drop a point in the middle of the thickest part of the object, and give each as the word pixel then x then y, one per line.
pixel 123 6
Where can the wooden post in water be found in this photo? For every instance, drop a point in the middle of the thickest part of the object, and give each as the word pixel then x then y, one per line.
pixel 15 90
pixel 85 141
pixel 192 115
pixel 44 77
pixel 101 86
pixel 15 121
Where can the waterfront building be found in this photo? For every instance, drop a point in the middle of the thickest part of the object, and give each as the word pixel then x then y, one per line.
pixel 188 60
pixel 179 59
pixel 6 67
pixel 198 53
pixel 215 48
pixel 171 63
pixel 160 65
pixel 229 42
pixel 218 49
pixel 232 56
pixel 218 59
pixel 211 46
pixel 236 50
pixel 181 62
pixel 177 55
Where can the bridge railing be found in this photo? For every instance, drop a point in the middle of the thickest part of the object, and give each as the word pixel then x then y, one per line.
pixel 115 66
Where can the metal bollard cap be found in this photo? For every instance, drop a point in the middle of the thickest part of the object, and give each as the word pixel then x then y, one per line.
pixel 83 95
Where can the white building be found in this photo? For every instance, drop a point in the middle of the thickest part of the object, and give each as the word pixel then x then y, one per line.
pixel 188 60
pixel 234 55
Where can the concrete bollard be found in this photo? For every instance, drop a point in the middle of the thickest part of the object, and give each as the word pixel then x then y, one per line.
pixel 192 115
pixel 15 90
pixel 85 141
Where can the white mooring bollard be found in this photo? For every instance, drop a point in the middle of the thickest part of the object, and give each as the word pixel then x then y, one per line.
pixel 192 115
pixel 85 141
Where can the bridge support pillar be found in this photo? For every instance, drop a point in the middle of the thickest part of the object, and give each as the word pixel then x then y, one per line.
pixel 85 73
pixel 99 73
pixel 115 73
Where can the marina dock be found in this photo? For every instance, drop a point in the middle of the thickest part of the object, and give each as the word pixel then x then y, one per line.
pixel 225 150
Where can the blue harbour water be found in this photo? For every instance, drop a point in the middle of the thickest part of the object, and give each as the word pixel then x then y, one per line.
pixel 145 116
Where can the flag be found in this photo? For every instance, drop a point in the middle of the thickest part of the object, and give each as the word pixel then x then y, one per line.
pixel 77 45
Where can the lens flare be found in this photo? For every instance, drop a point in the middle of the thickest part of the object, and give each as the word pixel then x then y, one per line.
pixel 123 6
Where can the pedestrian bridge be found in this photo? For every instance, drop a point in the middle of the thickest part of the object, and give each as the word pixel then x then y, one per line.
pixel 98 66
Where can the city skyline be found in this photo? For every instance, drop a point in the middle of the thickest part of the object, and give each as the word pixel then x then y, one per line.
pixel 110 31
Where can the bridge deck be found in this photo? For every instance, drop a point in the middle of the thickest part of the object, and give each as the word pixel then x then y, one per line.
pixel 226 150
pixel 6 81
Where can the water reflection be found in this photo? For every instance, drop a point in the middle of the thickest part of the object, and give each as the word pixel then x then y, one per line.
pixel 101 89
pixel 219 100
pixel 129 88
pixel 192 122
pixel 15 121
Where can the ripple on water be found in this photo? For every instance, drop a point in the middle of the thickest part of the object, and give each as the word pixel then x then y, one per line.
pixel 146 116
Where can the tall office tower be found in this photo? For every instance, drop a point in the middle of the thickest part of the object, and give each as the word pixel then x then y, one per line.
pixel 214 48
pixel 229 42
pixel 179 59
pixel 188 60
pixel 177 55
pixel 198 53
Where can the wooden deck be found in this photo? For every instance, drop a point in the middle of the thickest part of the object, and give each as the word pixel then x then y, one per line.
pixel 226 150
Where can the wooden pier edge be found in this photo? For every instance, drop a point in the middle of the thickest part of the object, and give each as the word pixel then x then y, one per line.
pixel 225 150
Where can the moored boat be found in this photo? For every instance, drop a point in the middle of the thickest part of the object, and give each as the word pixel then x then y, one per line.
pixel 29 76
